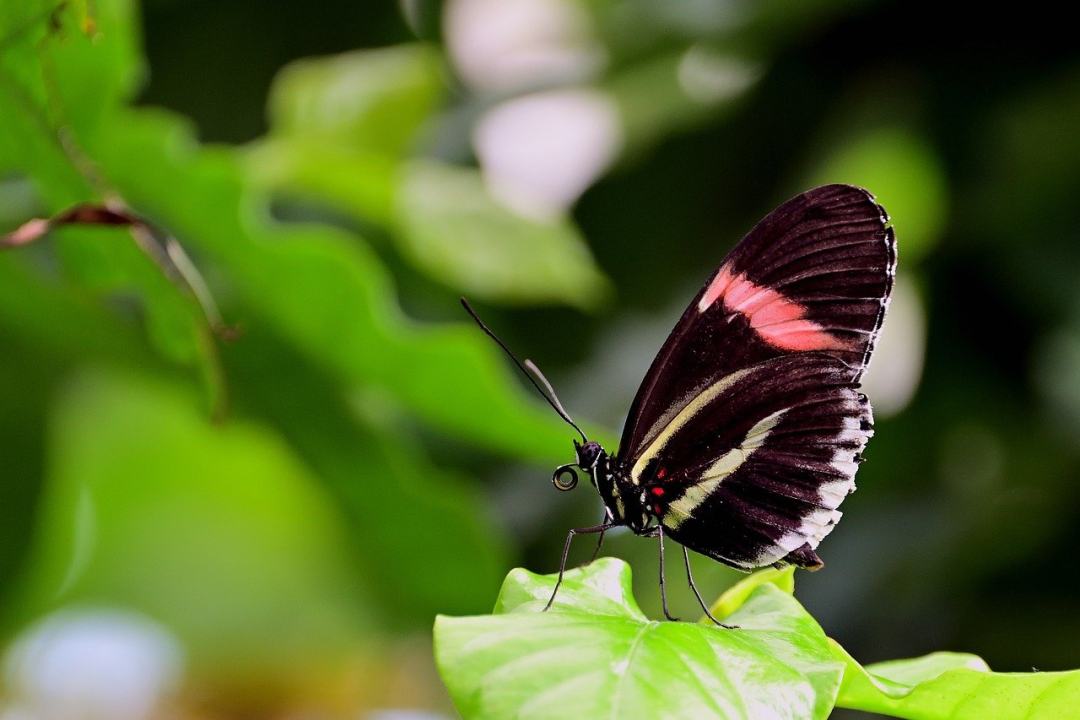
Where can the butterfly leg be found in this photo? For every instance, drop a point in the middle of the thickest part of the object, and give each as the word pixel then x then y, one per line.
pixel 663 588
pixel 601 528
pixel 600 540
pixel 697 594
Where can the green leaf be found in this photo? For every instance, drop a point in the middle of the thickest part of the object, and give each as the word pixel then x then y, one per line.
pixel 372 100
pixel 321 294
pixel 329 305
pixel 595 654
pixel 85 53
pixel 359 182
pixel 452 227
pixel 916 670
pixel 108 261
pixel 64 70
pixel 320 288
pixel 424 535
pixel 441 218
pixel 955 686
pixel 150 506
pixel 734 597
pixel 325 292
pixel 54 318
pixel 341 125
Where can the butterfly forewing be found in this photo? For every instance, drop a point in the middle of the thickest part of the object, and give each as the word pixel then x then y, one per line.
pixel 759 461
pixel 813 276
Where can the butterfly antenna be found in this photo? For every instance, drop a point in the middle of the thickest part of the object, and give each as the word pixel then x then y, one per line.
pixel 530 370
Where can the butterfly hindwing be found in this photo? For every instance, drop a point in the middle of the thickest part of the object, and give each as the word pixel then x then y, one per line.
pixel 813 276
pixel 755 465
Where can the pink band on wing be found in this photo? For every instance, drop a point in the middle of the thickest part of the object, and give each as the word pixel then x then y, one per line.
pixel 779 321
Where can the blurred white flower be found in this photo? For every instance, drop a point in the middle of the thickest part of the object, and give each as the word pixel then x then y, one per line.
pixel 540 152
pixel 897 365
pixel 503 45
pixel 91 665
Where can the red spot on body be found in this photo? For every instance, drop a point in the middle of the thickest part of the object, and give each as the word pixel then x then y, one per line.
pixel 657 510
pixel 661 473
pixel 778 320
pixel 658 491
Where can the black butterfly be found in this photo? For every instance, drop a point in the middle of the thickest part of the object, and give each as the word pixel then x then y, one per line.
pixel 746 432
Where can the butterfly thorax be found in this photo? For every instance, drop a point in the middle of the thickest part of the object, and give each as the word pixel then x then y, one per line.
pixel 621 497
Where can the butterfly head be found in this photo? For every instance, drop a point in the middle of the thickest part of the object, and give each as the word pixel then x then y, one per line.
pixel 588 454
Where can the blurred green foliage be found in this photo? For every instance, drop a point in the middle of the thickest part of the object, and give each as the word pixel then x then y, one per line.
pixel 906 177
pixel 158 495
pixel 373 460
pixel 325 360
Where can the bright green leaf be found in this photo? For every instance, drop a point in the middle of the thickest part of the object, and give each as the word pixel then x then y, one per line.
pixel 453 228
pixel 734 597
pixel 955 686
pixel 916 670
pixel 596 655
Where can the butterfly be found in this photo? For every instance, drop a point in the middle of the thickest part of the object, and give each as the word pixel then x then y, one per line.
pixel 747 431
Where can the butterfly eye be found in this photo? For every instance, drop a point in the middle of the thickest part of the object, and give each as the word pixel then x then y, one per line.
pixel 564 478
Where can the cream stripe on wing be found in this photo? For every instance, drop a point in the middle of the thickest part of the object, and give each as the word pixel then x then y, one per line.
pixel 705 397
pixel 681 510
